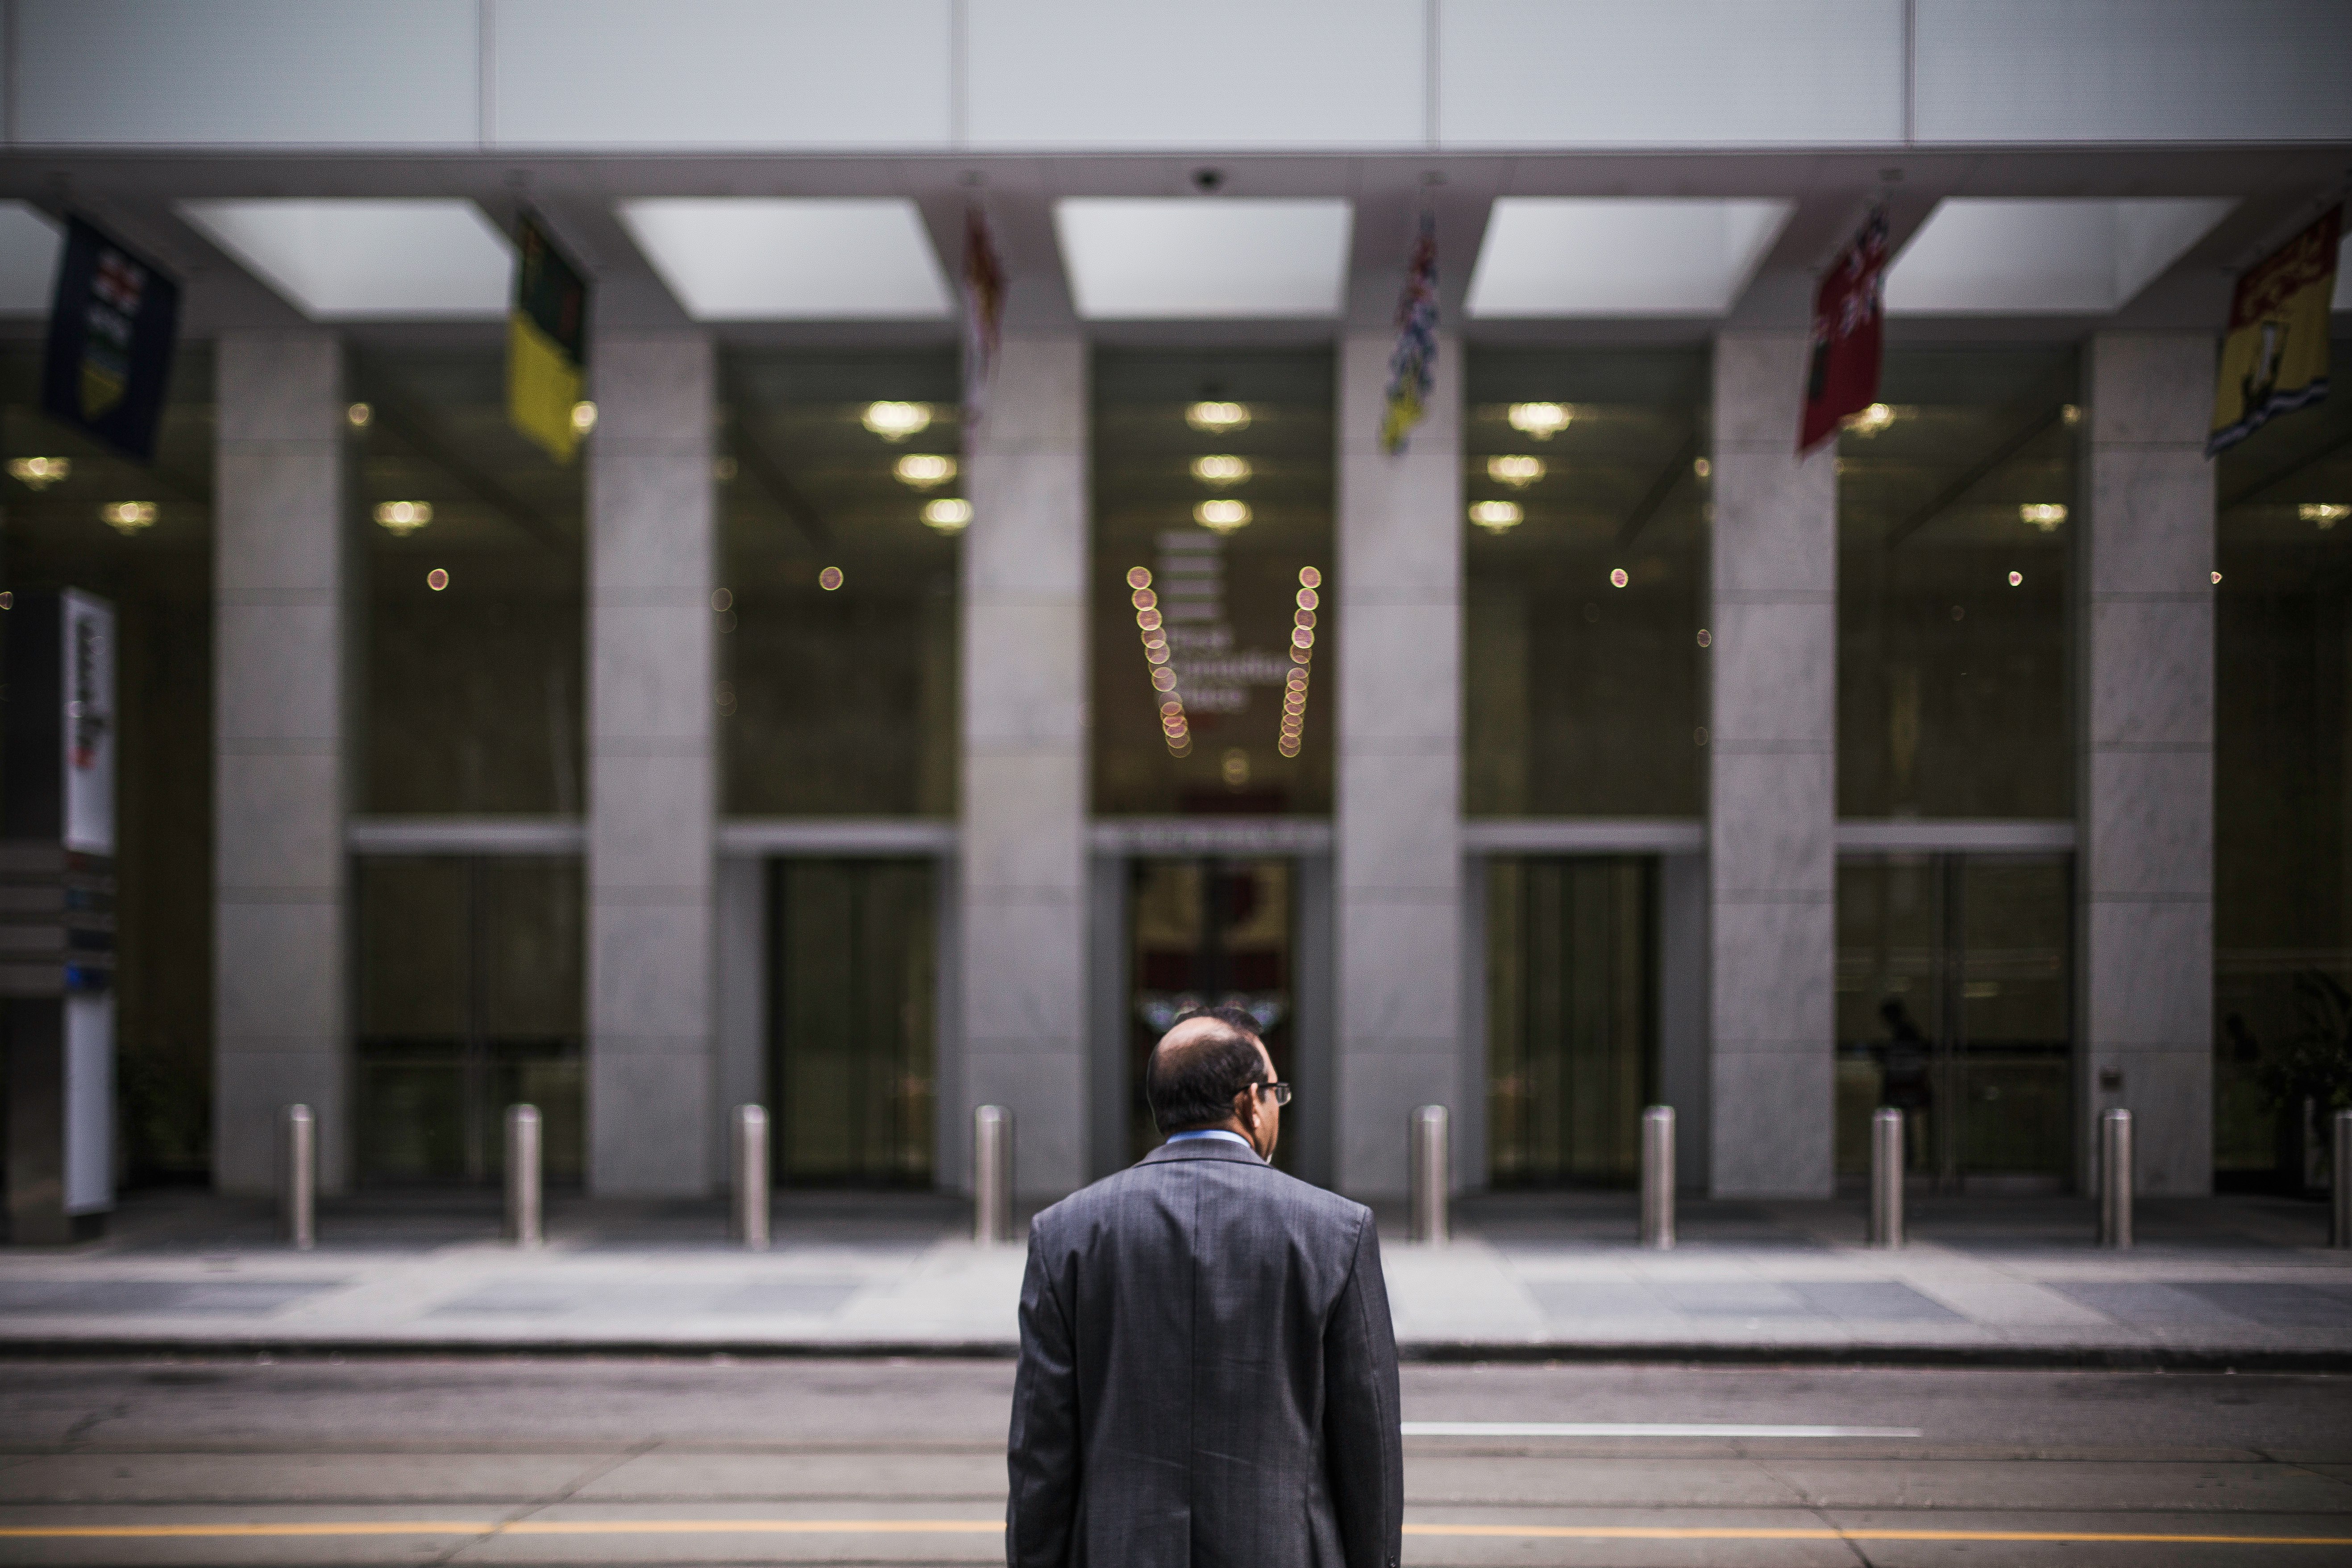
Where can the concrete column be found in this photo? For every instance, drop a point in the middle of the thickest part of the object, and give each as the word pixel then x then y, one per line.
pixel 280 719
pixel 1023 879
pixel 2144 621
pixel 1772 782
pixel 651 768
pixel 1396 634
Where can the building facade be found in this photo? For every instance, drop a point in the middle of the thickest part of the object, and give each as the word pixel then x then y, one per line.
pixel 823 738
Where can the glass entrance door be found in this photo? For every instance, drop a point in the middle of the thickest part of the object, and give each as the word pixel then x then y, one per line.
pixel 1955 1005
pixel 1572 1016
pixel 853 1009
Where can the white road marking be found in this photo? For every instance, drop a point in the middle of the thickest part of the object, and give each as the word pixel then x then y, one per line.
pixel 1640 1429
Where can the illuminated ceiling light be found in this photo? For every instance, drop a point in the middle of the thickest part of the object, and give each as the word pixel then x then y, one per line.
pixel 403 517
pixel 1701 467
pixel 1138 577
pixel 39 473
pixel 1218 418
pixel 2044 515
pixel 948 514
pixel 1220 471
pixel 896 421
pixel 1871 420
pixel 583 418
pixel 829 579
pixel 437 579
pixel 769 258
pixel 2327 514
pixel 1517 472
pixel 1541 420
pixel 1222 516
pixel 2070 416
pixel 1235 767
pixel 1617 577
pixel 1310 578
pixel 368 259
pixel 2017 579
pixel 358 415
pixel 1496 516
pixel 128 517
pixel 1307 599
pixel 924 470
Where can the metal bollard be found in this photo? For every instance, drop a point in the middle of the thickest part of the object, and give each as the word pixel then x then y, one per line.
pixel 523 1189
pixel 1658 1177
pixel 1887 1177
pixel 1430 1154
pixel 2116 1179
pixel 992 1175
pixel 297 1182
pixel 2339 1181
pixel 749 1224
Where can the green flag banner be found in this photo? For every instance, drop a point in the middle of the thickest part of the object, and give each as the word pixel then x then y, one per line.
pixel 547 344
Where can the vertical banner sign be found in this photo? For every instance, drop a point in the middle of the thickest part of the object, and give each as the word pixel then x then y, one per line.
pixel 983 313
pixel 112 324
pixel 1412 366
pixel 2274 359
pixel 1849 310
pixel 547 344
pixel 87 724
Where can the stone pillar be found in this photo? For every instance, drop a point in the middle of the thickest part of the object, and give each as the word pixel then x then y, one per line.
pixel 1772 782
pixel 652 776
pixel 1396 631
pixel 2145 620
pixel 281 717
pixel 1023 872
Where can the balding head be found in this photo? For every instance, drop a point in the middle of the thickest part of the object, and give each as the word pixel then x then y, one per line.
pixel 1199 1066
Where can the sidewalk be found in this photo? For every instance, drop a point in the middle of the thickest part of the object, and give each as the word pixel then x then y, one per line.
pixel 2220 1281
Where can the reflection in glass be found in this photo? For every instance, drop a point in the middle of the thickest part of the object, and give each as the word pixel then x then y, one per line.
pixel 1952 588
pixel 839 518
pixel 1223 571
pixel 2283 800
pixel 1583 692
pixel 1571 1017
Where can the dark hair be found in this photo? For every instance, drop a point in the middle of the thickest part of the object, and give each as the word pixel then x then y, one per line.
pixel 1193 1085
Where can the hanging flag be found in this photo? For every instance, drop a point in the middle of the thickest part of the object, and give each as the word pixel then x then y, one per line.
pixel 547 343
pixel 2274 359
pixel 1842 371
pixel 1413 367
pixel 113 326
pixel 984 313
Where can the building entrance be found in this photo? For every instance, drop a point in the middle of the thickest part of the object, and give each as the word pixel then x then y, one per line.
pixel 1572 1016
pixel 1955 982
pixel 853 1021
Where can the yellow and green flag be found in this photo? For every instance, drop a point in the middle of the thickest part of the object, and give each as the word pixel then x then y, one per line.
pixel 547 344
pixel 2274 360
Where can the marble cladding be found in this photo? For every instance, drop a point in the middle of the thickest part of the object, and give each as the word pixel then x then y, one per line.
pixel 1399 881
pixel 1772 749
pixel 2145 864
pixel 280 725
pixel 1022 884
pixel 653 1124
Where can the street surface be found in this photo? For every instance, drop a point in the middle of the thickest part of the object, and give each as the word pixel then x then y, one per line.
pixel 708 1461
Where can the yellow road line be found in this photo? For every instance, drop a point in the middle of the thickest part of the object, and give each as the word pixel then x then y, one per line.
pixel 991 1527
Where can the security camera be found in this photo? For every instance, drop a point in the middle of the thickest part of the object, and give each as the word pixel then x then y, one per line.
pixel 1208 181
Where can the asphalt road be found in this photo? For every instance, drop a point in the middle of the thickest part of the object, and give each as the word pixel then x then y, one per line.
pixel 466 1461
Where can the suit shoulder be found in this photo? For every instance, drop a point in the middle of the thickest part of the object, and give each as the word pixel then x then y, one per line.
pixel 1100 1200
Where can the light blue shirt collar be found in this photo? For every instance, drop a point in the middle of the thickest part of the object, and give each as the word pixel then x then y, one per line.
pixel 1212 1132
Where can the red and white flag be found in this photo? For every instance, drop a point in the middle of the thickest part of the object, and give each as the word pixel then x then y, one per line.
pixel 984 313
pixel 1842 370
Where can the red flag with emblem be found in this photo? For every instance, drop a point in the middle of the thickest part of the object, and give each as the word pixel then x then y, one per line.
pixel 1842 370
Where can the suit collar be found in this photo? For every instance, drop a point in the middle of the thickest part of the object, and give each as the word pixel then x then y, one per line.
pixel 1203 1149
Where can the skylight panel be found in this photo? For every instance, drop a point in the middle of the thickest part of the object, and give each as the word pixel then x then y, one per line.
pixel 1178 260
pixel 2046 257
pixel 749 259
pixel 1611 256
pixel 367 261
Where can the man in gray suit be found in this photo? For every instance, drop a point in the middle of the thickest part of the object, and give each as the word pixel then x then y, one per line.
pixel 1208 1371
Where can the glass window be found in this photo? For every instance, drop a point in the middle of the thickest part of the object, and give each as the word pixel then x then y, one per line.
pixel 2283 816
pixel 1212 536
pixel 157 569
pixel 841 504
pixel 1954 498
pixel 473 582
pixel 1585 579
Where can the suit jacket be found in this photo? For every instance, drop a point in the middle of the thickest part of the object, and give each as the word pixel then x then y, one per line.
pixel 1208 1376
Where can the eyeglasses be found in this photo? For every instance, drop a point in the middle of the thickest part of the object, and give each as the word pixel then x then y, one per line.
pixel 1281 1091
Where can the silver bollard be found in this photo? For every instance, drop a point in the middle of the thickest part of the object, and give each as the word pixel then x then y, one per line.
pixel 1658 1177
pixel 992 1175
pixel 750 1224
pixel 1887 1177
pixel 1430 1173
pixel 297 1182
pixel 2116 1179
pixel 523 1189
pixel 2339 1181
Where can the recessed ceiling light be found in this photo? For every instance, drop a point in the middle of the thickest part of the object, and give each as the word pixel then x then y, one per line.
pixel 1620 256
pixel 924 470
pixel 896 421
pixel 1496 516
pixel 1222 516
pixel 1218 418
pixel 1220 471
pixel 761 259
pixel 1515 472
pixel 1155 259
pixel 1541 420
pixel 128 517
pixel 403 517
pixel 584 416
pixel 2044 515
pixel 2043 256
pixel 2327 514
pixel 359 416
pixel 39 473
pixel 1871 420
pixel 948 514
pixel 367 261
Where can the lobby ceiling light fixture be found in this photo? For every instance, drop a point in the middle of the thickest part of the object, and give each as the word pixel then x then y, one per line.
pixel 1302 660
pixel 2327 514
pixel 1218 418
pixel 583 418
pixel 359 416
pixel 128 517
pixel 948 514
pixel 895 422
pixel 1222 516
pixel 2044 515
pixel 368 259
pixel 1515 472
pixel 1878 416
pixel 829 579
pixel 768 259
pixel 1497 517
pixel 403 517
pixel 1541 420
pixel 924 470
pixel 1174 728
pixel 39 473
pixel 1220 471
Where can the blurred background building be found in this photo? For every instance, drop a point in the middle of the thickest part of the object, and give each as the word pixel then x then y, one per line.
pixel 797 743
